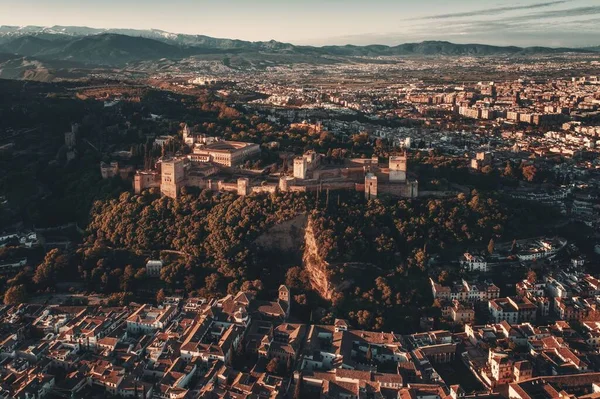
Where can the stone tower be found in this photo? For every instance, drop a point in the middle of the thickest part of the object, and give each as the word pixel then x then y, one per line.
pixel 243 186
pixel 300 168
pixel 172 176
pixel 284 298
pixel 370 186
pixel 71 136
pixel 284 183
pixel 398 168
pixel 188 138
pixel 284 293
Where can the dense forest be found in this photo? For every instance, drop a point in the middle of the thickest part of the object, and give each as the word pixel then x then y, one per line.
pixel 206 241
pixel 388 248
pixel 214 229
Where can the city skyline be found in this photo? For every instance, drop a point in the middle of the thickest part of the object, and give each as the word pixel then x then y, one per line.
pixel 572 23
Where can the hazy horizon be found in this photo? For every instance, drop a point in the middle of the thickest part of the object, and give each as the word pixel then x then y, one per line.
pixel 559 23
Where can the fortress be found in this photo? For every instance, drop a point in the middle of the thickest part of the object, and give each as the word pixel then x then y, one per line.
pixel 214 165
pixel 364 175
pixel 310 173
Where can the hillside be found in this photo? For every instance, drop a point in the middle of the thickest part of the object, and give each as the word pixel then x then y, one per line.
pixel 18 67
pixel 104 49
pixel 117 49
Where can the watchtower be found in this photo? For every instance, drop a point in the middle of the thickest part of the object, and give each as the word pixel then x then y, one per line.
pixel 243 186
pixel 300 168
pixel 370 186
pixel 398 168
pixel 71 136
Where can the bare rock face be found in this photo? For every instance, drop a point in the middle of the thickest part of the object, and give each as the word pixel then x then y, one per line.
pixel 293 236
pixel 286 237
pixel 316 267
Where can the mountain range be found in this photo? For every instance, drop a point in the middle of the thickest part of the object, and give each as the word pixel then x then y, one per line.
pixel 119 47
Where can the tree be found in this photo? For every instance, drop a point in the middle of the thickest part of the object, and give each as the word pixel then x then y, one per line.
pixel 297 278
pixel 15 295
pixel 486 170
pixel 360 139
pixel 119 299
pixel 212 282
pixel 252 286
pixel 490 247
pixel 49 270
pixel 529 172
pixel 443 277
pixel 300 299
pixel 160 296
pixel 273 365
pixel 364 317
pixel 419 258
pixel 44 274
pixel 127 277
pixel 509 170
pixel 189 282
pixel 140 274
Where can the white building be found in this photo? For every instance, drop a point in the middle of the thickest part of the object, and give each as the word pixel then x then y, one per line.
pixel 153 268
pixel 474 262
pixel 188 137
pixel 148 319
pixel 300 168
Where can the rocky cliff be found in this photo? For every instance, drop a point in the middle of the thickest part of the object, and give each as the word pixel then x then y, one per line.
pixel 296 237
pixel 316 267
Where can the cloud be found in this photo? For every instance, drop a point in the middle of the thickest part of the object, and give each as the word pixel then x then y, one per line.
pixel 492 11
pixel 572 12
pixel 576 24
pixel 530 31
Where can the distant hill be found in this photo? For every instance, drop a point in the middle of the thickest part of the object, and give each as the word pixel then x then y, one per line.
pixel 117 47
pixel 102 49
pixel 32 45
pixel 437 48
pixel 18 67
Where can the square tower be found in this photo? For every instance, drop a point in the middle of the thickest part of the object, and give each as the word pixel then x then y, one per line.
pixel 243 186
pixel 285 182
pixel 188 137
pixel 284 299
pixel 172 175
pixel 398 168
pixel 71 136
pixel 300 168
pixel 370 186
pixel 284 293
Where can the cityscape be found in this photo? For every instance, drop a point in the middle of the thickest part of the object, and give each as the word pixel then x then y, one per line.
pixel 323 206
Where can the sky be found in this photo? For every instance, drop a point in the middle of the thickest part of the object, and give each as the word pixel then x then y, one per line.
pixel 574 23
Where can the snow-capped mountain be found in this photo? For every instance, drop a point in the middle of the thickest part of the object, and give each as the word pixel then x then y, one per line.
pixel 11 32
